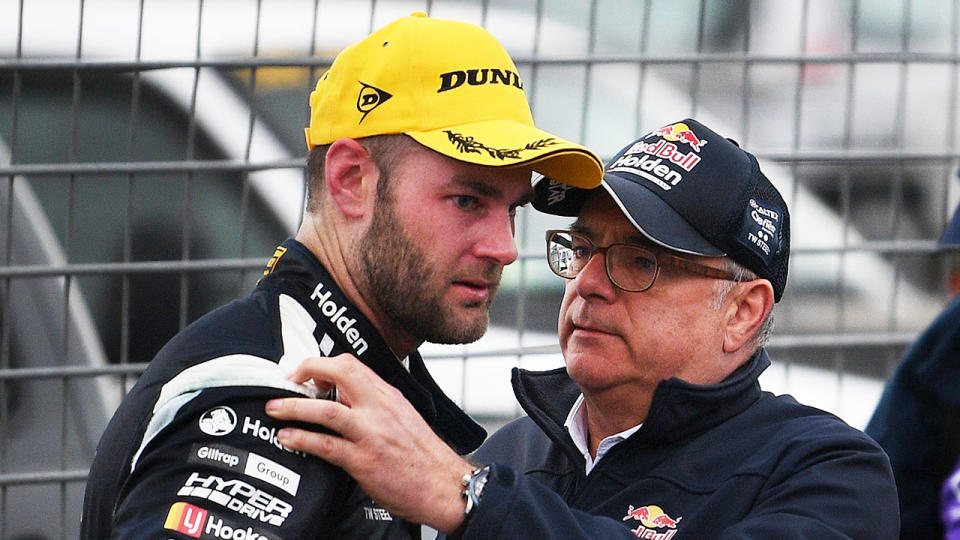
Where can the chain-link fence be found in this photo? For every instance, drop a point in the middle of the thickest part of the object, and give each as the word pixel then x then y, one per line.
pixel 151 156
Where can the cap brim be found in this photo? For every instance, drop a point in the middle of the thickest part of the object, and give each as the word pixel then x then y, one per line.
pixel 505 143
pixel 656 219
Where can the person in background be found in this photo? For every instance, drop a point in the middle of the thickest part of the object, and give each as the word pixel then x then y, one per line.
pixel 917 421
pixel 422 149
pixel 657 427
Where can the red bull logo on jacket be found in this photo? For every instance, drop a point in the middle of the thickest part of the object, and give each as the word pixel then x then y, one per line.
pixel 653 520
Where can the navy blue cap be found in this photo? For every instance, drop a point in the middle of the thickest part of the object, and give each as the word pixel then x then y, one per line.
pixel 692 191
pixel 950 239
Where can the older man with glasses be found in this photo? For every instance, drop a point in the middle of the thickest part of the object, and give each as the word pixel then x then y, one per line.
pixel 657 427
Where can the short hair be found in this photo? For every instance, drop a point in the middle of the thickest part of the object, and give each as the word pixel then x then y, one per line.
pixel 386 150
pixel 741 273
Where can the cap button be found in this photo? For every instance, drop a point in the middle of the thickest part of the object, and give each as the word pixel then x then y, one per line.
pixel 418 14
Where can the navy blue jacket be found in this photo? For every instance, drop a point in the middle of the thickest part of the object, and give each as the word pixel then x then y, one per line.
pixel 721 461
pixel 916 422
pixel 191 453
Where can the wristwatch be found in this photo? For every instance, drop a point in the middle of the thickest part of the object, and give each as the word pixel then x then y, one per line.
pixel 473 483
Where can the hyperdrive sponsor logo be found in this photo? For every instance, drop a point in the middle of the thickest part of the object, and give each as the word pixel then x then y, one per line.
pixel 238 496
pixel 655 524
pixel 196 522
pixel 249 463
pixel 662 161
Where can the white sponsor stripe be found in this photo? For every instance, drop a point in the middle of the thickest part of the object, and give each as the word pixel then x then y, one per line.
pixel 272 472
pixel 296 327
pixel 232 370
pixel 240 370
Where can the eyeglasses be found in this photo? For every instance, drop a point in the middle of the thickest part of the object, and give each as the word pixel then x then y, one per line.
pixel 630 267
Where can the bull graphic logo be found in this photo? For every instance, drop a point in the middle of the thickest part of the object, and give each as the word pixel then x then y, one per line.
pixel 652 518
pixel 369 98
pixel 682 133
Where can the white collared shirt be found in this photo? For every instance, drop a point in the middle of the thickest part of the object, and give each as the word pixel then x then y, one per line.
pixel 576 425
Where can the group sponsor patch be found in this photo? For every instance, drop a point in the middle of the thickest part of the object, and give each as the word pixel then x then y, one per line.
pixel 249 463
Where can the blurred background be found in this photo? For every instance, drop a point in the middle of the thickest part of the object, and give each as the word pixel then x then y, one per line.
pixel 151 157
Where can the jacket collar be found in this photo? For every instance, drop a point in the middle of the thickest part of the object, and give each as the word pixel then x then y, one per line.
pixel 296 272
pixel 678 409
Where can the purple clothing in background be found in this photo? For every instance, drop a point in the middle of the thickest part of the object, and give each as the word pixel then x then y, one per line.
pixel 950 506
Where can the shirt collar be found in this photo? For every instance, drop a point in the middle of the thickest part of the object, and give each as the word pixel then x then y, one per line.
pixel 576 424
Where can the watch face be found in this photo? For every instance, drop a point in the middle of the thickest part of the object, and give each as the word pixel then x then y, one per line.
pixel 477 482
pixel 480 481
pixel 473 488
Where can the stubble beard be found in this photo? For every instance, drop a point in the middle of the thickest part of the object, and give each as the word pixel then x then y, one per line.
pixel 399 276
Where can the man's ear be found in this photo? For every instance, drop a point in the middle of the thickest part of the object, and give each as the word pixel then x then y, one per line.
pixel 351 177
pixel 751 302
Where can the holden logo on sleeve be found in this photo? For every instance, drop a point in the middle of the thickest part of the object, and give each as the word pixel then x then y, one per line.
pixel 218 421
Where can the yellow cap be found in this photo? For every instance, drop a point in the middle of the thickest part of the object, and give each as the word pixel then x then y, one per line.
pixel 453 88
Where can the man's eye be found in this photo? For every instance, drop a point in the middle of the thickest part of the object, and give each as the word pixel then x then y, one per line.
pixel 466 202
pixel 644 263
pixel 581 251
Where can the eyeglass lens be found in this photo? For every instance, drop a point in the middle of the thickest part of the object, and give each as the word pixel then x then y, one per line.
pixel 628 267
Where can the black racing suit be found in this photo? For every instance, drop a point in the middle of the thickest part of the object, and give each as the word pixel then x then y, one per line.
pixel 718 461
pixel 190 453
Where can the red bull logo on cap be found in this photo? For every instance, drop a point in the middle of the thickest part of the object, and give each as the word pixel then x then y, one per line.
pixel 681 132
pixel 663 160
pixel 652 520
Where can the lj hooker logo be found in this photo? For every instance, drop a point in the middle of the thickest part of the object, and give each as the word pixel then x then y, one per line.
pixel 655 524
